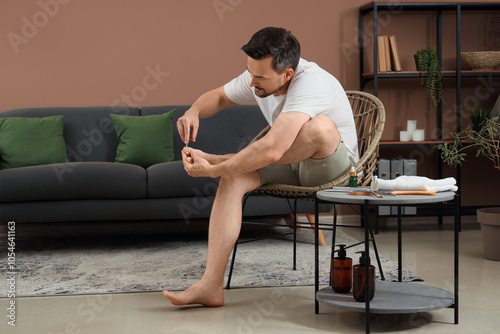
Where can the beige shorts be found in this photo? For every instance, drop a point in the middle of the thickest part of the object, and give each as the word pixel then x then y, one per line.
pixel 310 172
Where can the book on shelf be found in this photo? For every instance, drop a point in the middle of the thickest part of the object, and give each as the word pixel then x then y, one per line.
pixel 396 63
pixel 382 65
pixel 388 54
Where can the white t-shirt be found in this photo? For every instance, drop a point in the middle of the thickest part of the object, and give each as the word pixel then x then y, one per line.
pixel 312 91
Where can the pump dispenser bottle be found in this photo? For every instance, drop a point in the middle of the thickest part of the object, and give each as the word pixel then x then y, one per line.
pixel 359 278
pixel 341 272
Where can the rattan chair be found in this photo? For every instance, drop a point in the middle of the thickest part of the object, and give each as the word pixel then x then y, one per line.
pixel 369 117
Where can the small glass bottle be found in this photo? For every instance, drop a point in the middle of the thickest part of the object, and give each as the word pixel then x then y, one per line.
pixel 341 272
pixel 374 184
pixel 353 181
pixel 359 279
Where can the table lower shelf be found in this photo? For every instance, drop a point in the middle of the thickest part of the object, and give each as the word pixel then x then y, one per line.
pixel 391 298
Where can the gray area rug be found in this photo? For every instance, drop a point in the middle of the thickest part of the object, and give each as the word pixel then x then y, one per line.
pixel 174 261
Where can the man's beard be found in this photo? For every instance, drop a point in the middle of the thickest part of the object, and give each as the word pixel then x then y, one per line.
pixel 265 94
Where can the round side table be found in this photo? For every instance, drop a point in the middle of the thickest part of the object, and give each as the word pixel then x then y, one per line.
pixel 391 297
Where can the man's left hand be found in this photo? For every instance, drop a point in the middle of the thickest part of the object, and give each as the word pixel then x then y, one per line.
pixel 195 165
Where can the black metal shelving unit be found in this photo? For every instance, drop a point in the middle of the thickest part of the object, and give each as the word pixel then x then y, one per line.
pixel 375 8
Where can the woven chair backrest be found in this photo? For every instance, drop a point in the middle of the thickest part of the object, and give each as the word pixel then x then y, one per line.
pixel 369 117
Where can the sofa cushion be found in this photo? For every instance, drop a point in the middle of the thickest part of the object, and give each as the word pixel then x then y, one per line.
pixel 31 141
pixel 86 180
pixel 169 179
pixel 144 140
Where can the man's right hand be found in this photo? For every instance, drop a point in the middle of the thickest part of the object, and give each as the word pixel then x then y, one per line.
pixel 206 106
pixel 188 125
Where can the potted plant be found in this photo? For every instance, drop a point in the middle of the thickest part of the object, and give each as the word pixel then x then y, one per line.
pixel 479 118
pixel 427 62
pixel 489 218
pixel 483 134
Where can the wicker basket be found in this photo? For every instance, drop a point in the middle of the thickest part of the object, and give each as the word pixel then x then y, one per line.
pixel 480 61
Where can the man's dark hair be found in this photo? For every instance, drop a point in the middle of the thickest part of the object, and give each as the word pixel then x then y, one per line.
pixel 274 42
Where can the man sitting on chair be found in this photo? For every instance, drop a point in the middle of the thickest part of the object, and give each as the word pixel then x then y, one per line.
pixel 312 141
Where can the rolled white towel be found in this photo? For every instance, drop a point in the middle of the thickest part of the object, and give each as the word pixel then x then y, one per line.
pixel 405 182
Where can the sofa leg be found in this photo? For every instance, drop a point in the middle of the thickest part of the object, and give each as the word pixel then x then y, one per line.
pixel 289 221
pixel 310 218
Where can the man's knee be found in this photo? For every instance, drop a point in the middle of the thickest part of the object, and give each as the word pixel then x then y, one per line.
pixel 227 181
pixel 322 128
pixel 241 183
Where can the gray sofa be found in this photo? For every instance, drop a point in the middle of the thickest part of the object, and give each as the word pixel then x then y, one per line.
pixel 93 187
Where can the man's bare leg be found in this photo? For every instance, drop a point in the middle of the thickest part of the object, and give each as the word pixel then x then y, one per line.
pixel 318 138
pixel 225 224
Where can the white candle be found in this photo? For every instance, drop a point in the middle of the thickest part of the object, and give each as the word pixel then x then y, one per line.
pixel 419 135
pixel 404 136
pixel 411 126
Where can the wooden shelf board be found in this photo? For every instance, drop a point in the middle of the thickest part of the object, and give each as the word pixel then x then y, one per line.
pixel 413 143
pixel 427 4
pixel 403 74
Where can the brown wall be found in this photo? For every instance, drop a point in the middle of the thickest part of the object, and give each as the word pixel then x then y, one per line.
pixel 91 52
pixel 88 53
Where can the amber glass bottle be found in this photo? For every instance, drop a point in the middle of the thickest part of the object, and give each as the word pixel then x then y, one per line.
pixel 359 278
pixel 341 272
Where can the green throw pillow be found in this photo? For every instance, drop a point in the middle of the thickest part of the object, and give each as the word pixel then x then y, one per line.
pixel 31 141
pixel 144 140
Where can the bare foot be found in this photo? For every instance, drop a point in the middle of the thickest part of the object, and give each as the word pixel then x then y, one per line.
pixel 212 159
pixel 207 156
pixel 197 294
